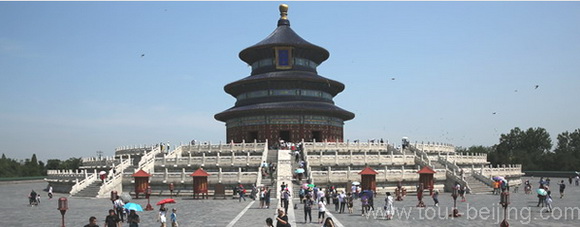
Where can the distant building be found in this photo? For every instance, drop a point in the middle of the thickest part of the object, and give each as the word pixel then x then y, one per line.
pixel 284 98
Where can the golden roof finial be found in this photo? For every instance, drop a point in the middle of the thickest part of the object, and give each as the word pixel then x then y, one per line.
pixel 284 12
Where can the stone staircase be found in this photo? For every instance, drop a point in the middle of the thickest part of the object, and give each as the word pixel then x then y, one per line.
pixel 90 191
pixel 477 187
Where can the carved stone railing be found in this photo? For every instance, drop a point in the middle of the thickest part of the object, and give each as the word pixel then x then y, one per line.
pixel 465 159
pixel 203 148
pixel 316 146
pixel 204 160
pixel 98 162
pixel 116 181
pixel 434 147
pixel 264 159
pixel 323 160
pixel 84 183
pixel 384 175
pixel 147 162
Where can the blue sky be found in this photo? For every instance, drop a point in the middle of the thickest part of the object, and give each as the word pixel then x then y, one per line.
pixel 72 79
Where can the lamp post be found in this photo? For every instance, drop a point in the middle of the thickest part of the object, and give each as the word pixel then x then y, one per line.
pixel 62 206
pixel 148 194
pixel 454 194
pixel 504 201
pixel 420 195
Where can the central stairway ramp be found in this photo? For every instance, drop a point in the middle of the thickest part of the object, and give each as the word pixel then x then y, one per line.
pixel 90 191
pixel 478 187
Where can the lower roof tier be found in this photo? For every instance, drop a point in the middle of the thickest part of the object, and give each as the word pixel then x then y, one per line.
pixel 293 107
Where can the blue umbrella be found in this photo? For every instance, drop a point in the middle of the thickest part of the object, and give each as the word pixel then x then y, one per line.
pixel 133 206
pixel 299 170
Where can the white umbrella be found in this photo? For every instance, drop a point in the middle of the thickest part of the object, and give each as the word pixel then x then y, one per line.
pixel 356 183
pixel 102 172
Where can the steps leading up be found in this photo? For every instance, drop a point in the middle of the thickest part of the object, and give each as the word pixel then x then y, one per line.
pixel 478 187
pixel 90 191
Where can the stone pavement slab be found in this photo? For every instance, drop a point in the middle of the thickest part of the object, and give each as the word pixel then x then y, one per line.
pixel 479 210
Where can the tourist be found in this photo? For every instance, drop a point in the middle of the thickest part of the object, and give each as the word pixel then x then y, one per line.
pixel 570 180
pixel 389 210
pixel 548 201
pixel 133 219
pixel 308 202
pixel 241 193
pixel 364 201
pixel 119 204
pixel 269 222
pixel 92 222
pixel 353 190
pixel 281 219
pixel 342 201
pixel 541 197
pixel 267 197
pixel 335 200
pixel 328 222
pixel 49 191
pixel 301 194
pixel 435 197
pixel 112 220
pixel 321 211
pixel 577 180
pixel 462 193
pixel 562 187
pixel 349 202
pixel 162 216
pixel 173 218
pixel 285 199
pixel 32 198
pixel 262 196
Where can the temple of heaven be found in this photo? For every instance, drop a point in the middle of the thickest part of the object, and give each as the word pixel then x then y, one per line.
pixel 284 98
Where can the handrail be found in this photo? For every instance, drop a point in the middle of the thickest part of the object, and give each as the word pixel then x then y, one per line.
pixel 148 160
pixel 264 158
pixel 80 185
pixel 116 179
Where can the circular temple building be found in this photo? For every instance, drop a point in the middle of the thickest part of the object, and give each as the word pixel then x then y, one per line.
pixel 284 98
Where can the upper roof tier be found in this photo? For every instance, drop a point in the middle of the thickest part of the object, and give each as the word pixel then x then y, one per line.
pixel 283 36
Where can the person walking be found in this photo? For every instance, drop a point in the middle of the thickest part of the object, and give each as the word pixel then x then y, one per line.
pixel 389 210
pixel 285 199
pixel 133 219
pixel 349 202
pixel 49 191
pixel 308 202
pixel 119 204
pixel 321 211
pixel 162 215
pixel 435 197
pixel 282 219
pixel 92 222
pixel 112 220
pixel 267 197
pixel 342 201
pixel 241 193
pixel 173 218
pixel 562 187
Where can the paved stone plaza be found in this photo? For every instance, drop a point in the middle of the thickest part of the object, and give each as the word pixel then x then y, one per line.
pixel 479 210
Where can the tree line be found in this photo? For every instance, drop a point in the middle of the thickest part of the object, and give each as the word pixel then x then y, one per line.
pixel 533 149
pixel 31 167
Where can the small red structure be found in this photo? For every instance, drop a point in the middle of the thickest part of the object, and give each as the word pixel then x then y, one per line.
pixel 200 184
pixel 426 178
pixel 368 179
pixel 141 182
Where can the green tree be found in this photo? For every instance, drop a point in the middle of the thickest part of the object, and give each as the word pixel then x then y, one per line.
pixel 528 148
pixel 566 156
